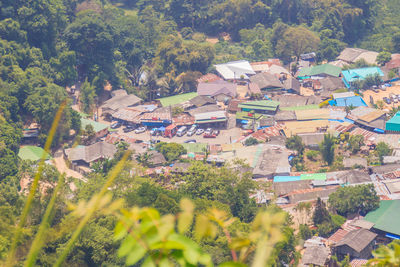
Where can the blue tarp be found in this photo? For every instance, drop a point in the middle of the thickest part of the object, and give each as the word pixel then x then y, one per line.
pixel 377 130
pixel 280 179
pixel 244 121
pixel 355 101
pixel 348 120
pixel 392 236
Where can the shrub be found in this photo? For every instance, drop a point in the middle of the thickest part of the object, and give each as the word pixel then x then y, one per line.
pixel 250 141
pixel 312 155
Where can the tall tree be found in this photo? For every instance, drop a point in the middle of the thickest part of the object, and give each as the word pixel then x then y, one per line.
pixel 87 96
pixel 327 148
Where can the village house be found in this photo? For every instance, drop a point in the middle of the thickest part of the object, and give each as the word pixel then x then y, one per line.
pixel 261 107
pixel 119 99
pixel 235 70
pixel 319 72
pixel 213 89
pixel 85 155
pixel 99 128
pixel 352 55
pixel 356 244
pixel 353 75
pixel 368 118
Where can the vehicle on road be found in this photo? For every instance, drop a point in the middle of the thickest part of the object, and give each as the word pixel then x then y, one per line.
pixel 192 130
pixel 115 125
pixel 182 131
pixel 216 132
pixel 140 130
pixel 190 141
pixel 199 131
pixel 170 131
pixel 209 135
pixel 208 131
pixel 128 129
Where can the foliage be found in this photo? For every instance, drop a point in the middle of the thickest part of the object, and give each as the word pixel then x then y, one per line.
pixel 295 143
pixel 321 214
pixel 358 199
pixel 251 141
pixel 388 255
pixel 355 143
pixel 383 149
pixel 87 97
pixel 383 57
pixel 305 232
pixel 312 154
pixel 177 111
pixel 327 148
pixel 171 151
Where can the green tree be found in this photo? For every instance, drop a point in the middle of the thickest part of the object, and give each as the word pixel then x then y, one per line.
pixel 358 199
pixel 383 149
pixel 383 57
pixel 295 143
pixel 92 40
pixel 295 41
pixel 355 143
pixel 87 96
pixel 312 154
pixel 171 151
pixel 321 214
pixel 327 148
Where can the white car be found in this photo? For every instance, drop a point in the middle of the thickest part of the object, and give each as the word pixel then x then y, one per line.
pixel 192 130
pixel 140 130
pixel 199 131
pixel 208 131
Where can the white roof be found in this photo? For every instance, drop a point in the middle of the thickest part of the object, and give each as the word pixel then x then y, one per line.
pixel 275 69
pixel 235 70
pixel 343 95
pixel 220 114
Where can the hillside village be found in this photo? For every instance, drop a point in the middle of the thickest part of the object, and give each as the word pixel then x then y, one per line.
pixel 255 112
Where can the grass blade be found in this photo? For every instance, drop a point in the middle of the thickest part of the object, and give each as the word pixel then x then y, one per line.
pixel 35 183
pixel 44 225
pixel 117 169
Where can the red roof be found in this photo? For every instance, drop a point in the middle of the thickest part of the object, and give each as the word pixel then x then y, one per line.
pixel 267 132
pixel 209 77
pixel 338 235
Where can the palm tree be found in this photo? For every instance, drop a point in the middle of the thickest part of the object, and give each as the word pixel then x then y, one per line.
pixel 144 159
pixel 388 256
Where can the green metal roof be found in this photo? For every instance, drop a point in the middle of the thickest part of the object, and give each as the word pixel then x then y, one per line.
pixel 32 153
pixel 387 217
pixel 260 105
pixel 394 123
pixel 176 99
pixel 197 148
pixel 313 176
pixel 328 69
pixel 306 107
pixel 97 126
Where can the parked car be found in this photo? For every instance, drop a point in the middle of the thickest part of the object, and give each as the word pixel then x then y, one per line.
pixel 115 125
pixel 387 100
pixel 209 135
pixel 383 88
pixel 199 131
pixel 216 132
pixel 208 131
pixel 140 130
pixel 181 131
pixel 192 130
pixel 128 129
pixel 190 141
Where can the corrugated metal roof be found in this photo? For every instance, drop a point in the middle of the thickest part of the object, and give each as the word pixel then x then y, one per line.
pixel 214 115
pixel 387 217
pixel 312 114
pixel 235 70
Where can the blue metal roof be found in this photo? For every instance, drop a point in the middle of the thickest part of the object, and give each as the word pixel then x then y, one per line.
pixel 360 74
pixel 355 101
pixel 279 179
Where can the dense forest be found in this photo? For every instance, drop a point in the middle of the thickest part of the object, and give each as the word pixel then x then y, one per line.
pixel 151 48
